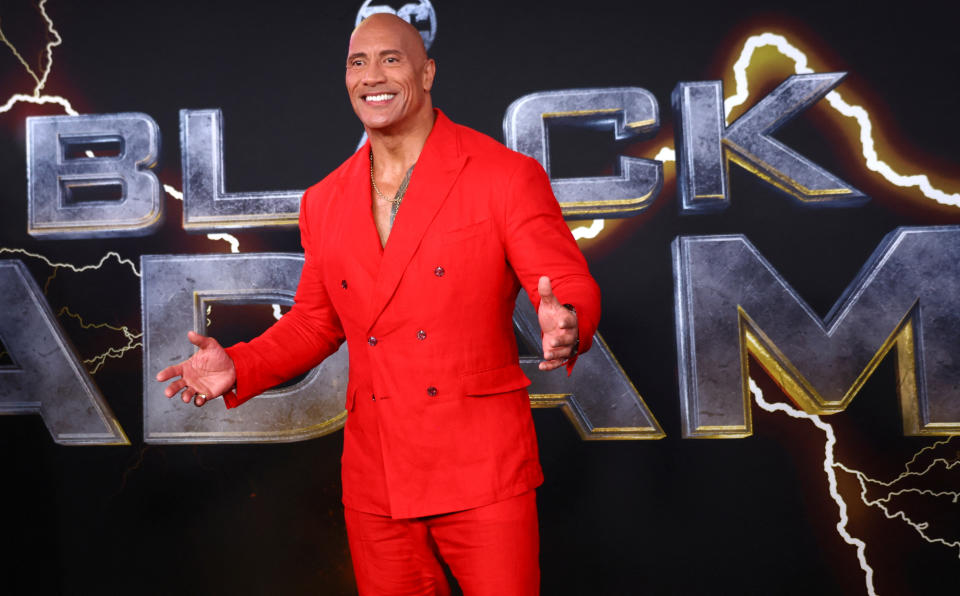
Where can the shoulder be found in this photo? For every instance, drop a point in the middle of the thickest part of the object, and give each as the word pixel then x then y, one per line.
pixel 326 191
pixel 492 156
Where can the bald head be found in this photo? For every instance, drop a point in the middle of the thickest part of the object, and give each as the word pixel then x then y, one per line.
pixel 385 23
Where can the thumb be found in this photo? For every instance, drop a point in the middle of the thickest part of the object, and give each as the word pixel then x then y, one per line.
pixel 546 291
pixel 201 341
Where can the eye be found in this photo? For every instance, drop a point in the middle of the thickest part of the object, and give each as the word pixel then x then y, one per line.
pixel 357 63
pixel 392 60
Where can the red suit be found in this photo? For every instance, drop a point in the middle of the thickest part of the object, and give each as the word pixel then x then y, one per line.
pixel 439 416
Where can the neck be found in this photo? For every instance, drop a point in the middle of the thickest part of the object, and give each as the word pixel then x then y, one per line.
pixel 399 148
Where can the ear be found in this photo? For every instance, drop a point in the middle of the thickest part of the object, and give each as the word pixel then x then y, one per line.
pixel 429 72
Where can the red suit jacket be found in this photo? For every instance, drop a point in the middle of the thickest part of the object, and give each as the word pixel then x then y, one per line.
pixel 439 417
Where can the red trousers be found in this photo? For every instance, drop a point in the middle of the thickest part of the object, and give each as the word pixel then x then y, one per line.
pixel 491 550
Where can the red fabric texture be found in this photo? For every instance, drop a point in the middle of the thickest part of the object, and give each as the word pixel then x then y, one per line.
pixel 491 550
pixel 439 416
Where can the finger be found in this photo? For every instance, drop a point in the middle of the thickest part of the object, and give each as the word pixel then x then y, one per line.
pixel 558 353
pixel 201 341
pixel 174 370
pixel 188 394
pixel 200 399
pixel 545 289
pixel 174 387
pixel 559 338
pixel 552 364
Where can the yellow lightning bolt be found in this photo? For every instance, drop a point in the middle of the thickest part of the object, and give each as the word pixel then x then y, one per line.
pixel 39 99
pixel 882 502
pixel 70 266
pixel 98 361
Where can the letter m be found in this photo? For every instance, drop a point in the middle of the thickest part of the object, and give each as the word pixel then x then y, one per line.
pixel 730 302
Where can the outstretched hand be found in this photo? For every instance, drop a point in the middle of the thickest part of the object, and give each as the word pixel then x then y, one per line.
pixel 206 375
pixel 558 324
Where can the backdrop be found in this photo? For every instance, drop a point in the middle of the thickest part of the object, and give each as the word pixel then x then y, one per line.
pixel 754 515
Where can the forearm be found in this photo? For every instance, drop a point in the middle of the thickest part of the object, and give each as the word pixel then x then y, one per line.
pixel 292 346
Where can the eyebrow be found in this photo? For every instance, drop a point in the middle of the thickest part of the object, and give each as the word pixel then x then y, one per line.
pixel 382 53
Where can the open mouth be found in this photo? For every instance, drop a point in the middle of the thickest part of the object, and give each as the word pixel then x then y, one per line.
pixel 380 97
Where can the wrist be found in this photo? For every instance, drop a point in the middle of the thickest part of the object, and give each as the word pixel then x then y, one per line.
pixel 576 343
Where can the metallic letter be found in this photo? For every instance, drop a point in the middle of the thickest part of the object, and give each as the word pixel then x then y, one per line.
pixel 175 293
pixel 599 399
pixel 704 144
pixel 634 113
pixel 207 206
pixel 60 165
pixel 46 376
pixel 730 301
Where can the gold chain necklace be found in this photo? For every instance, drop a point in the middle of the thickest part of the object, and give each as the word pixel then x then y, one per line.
pixel 400 191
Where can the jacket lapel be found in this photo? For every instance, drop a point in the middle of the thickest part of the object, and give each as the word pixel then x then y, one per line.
pixel 358 236
pixel 433 177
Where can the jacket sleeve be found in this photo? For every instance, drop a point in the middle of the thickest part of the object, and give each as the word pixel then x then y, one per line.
pixel 539 242
pixel 305 335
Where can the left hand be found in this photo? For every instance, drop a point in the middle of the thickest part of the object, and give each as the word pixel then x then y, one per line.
pixel 558 324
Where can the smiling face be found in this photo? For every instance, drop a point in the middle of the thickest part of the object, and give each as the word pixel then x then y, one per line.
pixel 389 75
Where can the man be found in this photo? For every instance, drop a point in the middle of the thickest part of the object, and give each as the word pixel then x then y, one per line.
pixel 415 249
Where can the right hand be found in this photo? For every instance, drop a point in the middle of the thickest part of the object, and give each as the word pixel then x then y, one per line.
pixel 206 375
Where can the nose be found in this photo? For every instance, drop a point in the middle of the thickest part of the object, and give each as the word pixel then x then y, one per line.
pixel 373 74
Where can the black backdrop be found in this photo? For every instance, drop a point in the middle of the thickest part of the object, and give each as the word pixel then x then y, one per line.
pixel 674 516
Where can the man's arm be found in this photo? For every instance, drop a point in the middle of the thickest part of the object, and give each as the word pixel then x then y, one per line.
pixel 300 340
pixel 539 244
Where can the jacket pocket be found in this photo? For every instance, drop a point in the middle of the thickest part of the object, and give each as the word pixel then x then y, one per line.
pixel 494 381
pixel 471 232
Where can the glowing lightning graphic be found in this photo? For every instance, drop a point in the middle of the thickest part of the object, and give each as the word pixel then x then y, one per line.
pixel 41 80
pixel 665 154
pixel 828 465
pixel 70 266
pixel 837 102
pixel 98 361
pixel 881 502
pixel 229 238
pixel 834 99
pixel 39 99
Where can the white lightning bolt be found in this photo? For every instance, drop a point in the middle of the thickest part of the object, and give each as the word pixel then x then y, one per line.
pixel 229 238
pixel 41 79
pixel 881 503
pixel 836 101
pixel 828 465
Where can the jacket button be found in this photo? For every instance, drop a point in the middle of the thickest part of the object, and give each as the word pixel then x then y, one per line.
pixel 343 284
pixel 372 341
pixel 431 391
pixel 439 271
pixel 373 397
pixel 421 334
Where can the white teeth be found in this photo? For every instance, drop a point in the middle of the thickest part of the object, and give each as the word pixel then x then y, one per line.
pixel 381 97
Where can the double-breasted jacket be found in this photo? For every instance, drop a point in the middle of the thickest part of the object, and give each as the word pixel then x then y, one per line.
pixel 438 413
